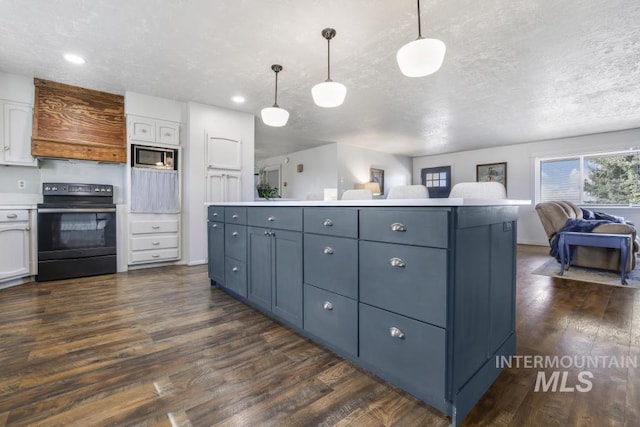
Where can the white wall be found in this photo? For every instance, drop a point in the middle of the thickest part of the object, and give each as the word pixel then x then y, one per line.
pixel 157 108
pixel 222 122
pixel 520 160
pixel 16 88
pixel 320 171
pixel 354 164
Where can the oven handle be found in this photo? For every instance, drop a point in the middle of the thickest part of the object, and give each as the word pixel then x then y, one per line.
pixel 75 210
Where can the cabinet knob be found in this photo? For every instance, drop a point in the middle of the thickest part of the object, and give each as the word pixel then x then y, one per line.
pixel 266 233
pixel 215 214
pixel 271 218
pixel 328 250
pixel 155 256
pixel 234 269
pixel 12 216
pixel 327 305
pixel 397 262
pixel 167 134
pixel 6 148
pixel 234 216
pixel 235 233
pixel 396 226
pixel 396 333
pixel 214 226
pixel 143 130
pixel 327 223
pixel 156 243
pixel 155 227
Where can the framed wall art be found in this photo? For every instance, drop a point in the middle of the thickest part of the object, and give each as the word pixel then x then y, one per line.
pixel 495 172
pixel 377 175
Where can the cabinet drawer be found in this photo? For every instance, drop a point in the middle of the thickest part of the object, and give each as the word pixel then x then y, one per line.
pixel 168 132
pixel 409 280
pixel 235 215
pixel 426 227
pixel 332 221
pixel 331 263
pixel 332 318
pixel 154 255
pixel 14 215
pixel 235 241
pixel 235 276
pixel 285 218
pixel 407 352
pixel 163 226
pixel 215 213
pixel 154 242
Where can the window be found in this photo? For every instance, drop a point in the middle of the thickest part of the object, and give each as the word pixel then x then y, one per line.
pixel 599 179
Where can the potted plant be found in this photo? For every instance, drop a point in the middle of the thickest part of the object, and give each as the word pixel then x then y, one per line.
pixel 265 190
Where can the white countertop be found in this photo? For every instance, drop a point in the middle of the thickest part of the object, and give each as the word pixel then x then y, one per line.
pixel 382 202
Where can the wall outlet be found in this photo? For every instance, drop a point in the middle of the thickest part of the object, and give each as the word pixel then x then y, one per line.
pixel 21 184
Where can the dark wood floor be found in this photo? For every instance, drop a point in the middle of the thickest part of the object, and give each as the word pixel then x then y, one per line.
pixel 160 347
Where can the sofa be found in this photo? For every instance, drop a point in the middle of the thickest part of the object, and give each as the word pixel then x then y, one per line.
pixel 554 216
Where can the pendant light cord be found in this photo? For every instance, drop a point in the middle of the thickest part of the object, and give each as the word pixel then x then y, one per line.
pixel 419 25
pixel 328 60
pixel 275 103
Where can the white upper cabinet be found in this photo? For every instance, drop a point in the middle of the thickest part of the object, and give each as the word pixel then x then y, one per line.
pixel 224 153
pixel 155 131
pixel 15 131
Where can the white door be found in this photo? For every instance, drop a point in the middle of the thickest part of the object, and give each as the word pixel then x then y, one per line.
pixel 223 153
pixel 14 250
pixel 17 134
pixel 215 186
pixel 232 187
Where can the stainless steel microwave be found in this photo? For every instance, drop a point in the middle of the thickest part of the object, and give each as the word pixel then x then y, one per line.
pixel 143 156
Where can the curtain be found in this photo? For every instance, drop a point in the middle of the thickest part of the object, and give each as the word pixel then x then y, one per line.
pixel 154 191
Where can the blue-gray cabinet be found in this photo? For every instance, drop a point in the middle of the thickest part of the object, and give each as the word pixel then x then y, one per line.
pixel 423 297
pixel 215 238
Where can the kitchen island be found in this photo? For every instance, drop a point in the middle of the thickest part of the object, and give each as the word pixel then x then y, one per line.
pixel 418 292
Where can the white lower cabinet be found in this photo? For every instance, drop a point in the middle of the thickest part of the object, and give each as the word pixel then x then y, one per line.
pixel 154 238
pixel 14 244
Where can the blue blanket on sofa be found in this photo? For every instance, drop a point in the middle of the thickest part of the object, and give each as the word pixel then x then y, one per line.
pixel 574 225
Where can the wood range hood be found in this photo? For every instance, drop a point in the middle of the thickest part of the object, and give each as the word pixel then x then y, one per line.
pixel 71 122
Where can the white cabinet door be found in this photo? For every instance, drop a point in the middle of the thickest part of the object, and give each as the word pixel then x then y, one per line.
pixel 223 186
pixel 168 133
pixel 223 153
pixel 142 129
pixel 17 124
pixel 14 250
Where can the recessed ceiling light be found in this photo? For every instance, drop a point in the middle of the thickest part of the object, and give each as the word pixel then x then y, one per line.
pixel 238 99
pixel 74 59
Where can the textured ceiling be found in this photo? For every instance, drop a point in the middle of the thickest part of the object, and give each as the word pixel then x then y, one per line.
pixel 515 71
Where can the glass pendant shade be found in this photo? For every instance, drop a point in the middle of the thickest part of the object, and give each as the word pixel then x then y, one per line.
pixel 274 116
pixel 329 94
pixel 421 57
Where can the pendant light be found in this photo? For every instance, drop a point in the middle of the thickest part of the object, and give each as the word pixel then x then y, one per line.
pixel 421 57
pixel 275 116
pixel 328 93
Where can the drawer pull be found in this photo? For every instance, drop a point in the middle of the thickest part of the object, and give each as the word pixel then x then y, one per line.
pixel 155 256
pixel 327 305
pixel 234 269
pixel 328 250
pixel 397 262
pixel 271 218
pixel 215 214
pixel 396 226
pixel 235 233
pixel 143 130
pixel 12 216
pixel 167 134
pixel 234 216
pixel 214 226
pixel 327 223
pixel 156 243
pixel 155 227
pixel 396 333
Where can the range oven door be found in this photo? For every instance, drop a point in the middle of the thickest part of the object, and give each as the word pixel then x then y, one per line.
pixel 76 242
